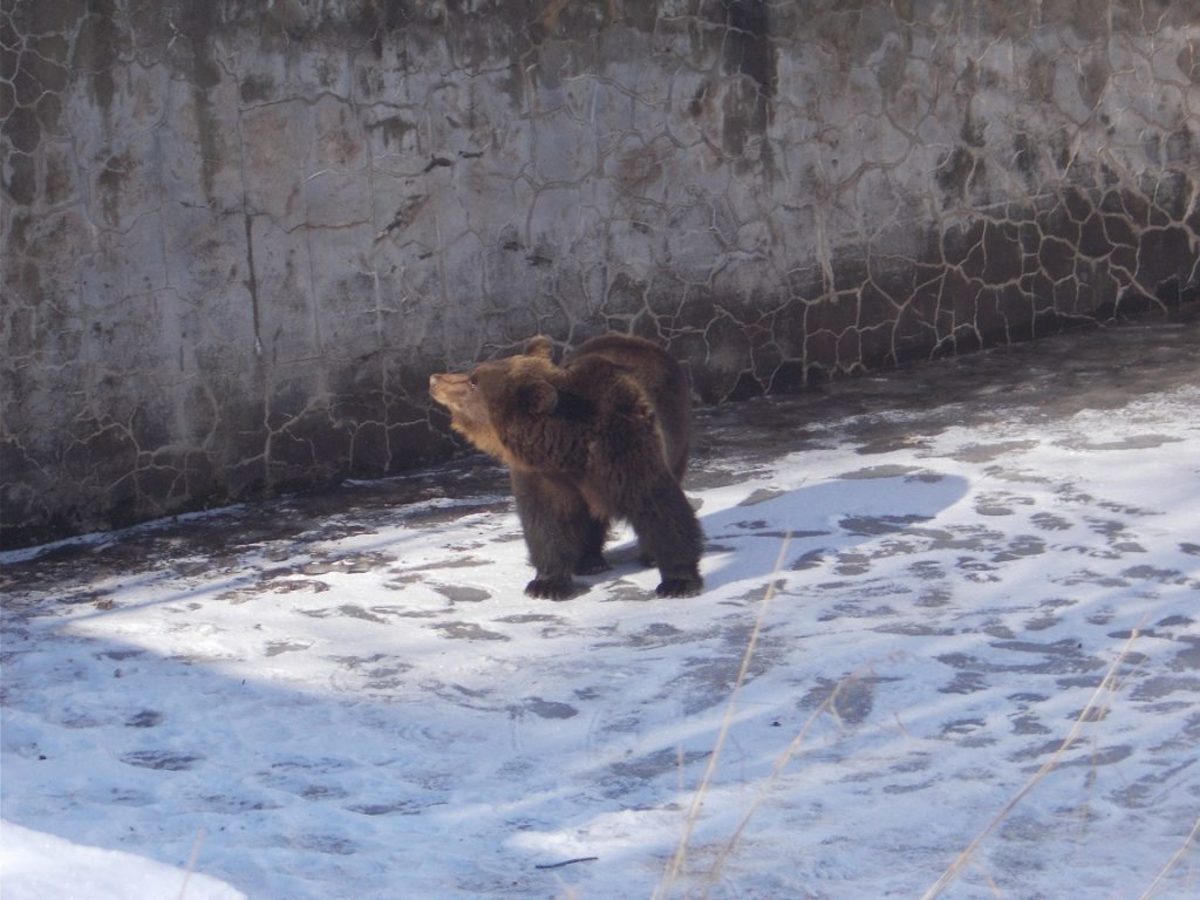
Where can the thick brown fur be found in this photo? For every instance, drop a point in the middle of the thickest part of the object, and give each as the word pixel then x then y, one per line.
pixel 604 436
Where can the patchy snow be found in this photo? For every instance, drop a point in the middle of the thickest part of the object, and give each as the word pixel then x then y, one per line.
pixel 351 697
pixel 42 865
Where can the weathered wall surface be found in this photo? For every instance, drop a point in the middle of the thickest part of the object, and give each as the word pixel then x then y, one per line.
pixel 238 235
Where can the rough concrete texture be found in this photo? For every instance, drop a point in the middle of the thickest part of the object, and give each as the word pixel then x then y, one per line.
pixel 237 236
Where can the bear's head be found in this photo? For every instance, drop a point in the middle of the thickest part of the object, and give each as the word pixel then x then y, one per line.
pixel 494 396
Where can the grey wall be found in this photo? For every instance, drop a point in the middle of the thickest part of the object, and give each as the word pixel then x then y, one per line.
pixel 238 235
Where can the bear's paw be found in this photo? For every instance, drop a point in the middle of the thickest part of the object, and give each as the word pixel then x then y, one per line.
pixel 551 588
pixel 680 587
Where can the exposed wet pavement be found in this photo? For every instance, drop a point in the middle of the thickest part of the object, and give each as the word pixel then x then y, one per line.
pixel 962 553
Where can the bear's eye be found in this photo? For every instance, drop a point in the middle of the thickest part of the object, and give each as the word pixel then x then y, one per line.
pixel 473 381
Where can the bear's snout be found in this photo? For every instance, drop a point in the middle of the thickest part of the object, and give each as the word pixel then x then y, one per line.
pixel 437 387
pixel 449 388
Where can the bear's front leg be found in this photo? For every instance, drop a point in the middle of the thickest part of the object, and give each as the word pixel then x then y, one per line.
pixel 591 560
pixel 669 534
pixel 557 529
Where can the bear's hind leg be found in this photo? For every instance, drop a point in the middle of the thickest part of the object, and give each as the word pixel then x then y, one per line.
pixel 557 526
pixel 669 534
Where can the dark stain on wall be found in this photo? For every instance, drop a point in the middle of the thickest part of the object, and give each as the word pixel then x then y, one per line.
pixel 749 48
pixel 748 53
pixel 97 47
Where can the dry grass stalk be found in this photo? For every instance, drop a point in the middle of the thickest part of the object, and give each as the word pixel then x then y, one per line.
pixel 1096 703
pixel 828 705
pixel 193 858
pixel 1172 862
pixel 675 866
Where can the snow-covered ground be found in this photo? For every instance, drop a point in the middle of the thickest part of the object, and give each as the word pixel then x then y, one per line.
pixel 971 591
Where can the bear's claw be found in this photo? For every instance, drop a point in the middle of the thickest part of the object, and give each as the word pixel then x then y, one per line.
pixel 551 588
pixel 680 587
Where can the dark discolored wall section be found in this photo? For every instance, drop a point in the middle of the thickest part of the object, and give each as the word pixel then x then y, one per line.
pixel 237 236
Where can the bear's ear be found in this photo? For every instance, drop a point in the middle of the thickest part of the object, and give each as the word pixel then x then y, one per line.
pixel 540 346
pixel 540 397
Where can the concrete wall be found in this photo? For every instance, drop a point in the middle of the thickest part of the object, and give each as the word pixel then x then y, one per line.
pixel 238 235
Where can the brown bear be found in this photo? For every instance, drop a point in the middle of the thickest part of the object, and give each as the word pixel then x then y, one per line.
pixel 603 436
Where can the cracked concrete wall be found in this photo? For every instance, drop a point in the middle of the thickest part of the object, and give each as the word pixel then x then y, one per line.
pixel 238 235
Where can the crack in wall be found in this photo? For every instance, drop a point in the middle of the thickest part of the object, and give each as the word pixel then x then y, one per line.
pixel 252 285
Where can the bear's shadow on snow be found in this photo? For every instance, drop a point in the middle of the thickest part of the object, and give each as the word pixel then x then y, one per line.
pixel 772 531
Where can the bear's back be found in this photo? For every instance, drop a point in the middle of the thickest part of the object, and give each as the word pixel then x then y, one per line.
pixel 660 376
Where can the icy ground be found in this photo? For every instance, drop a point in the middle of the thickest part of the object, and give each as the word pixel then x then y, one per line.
pixel 983 622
